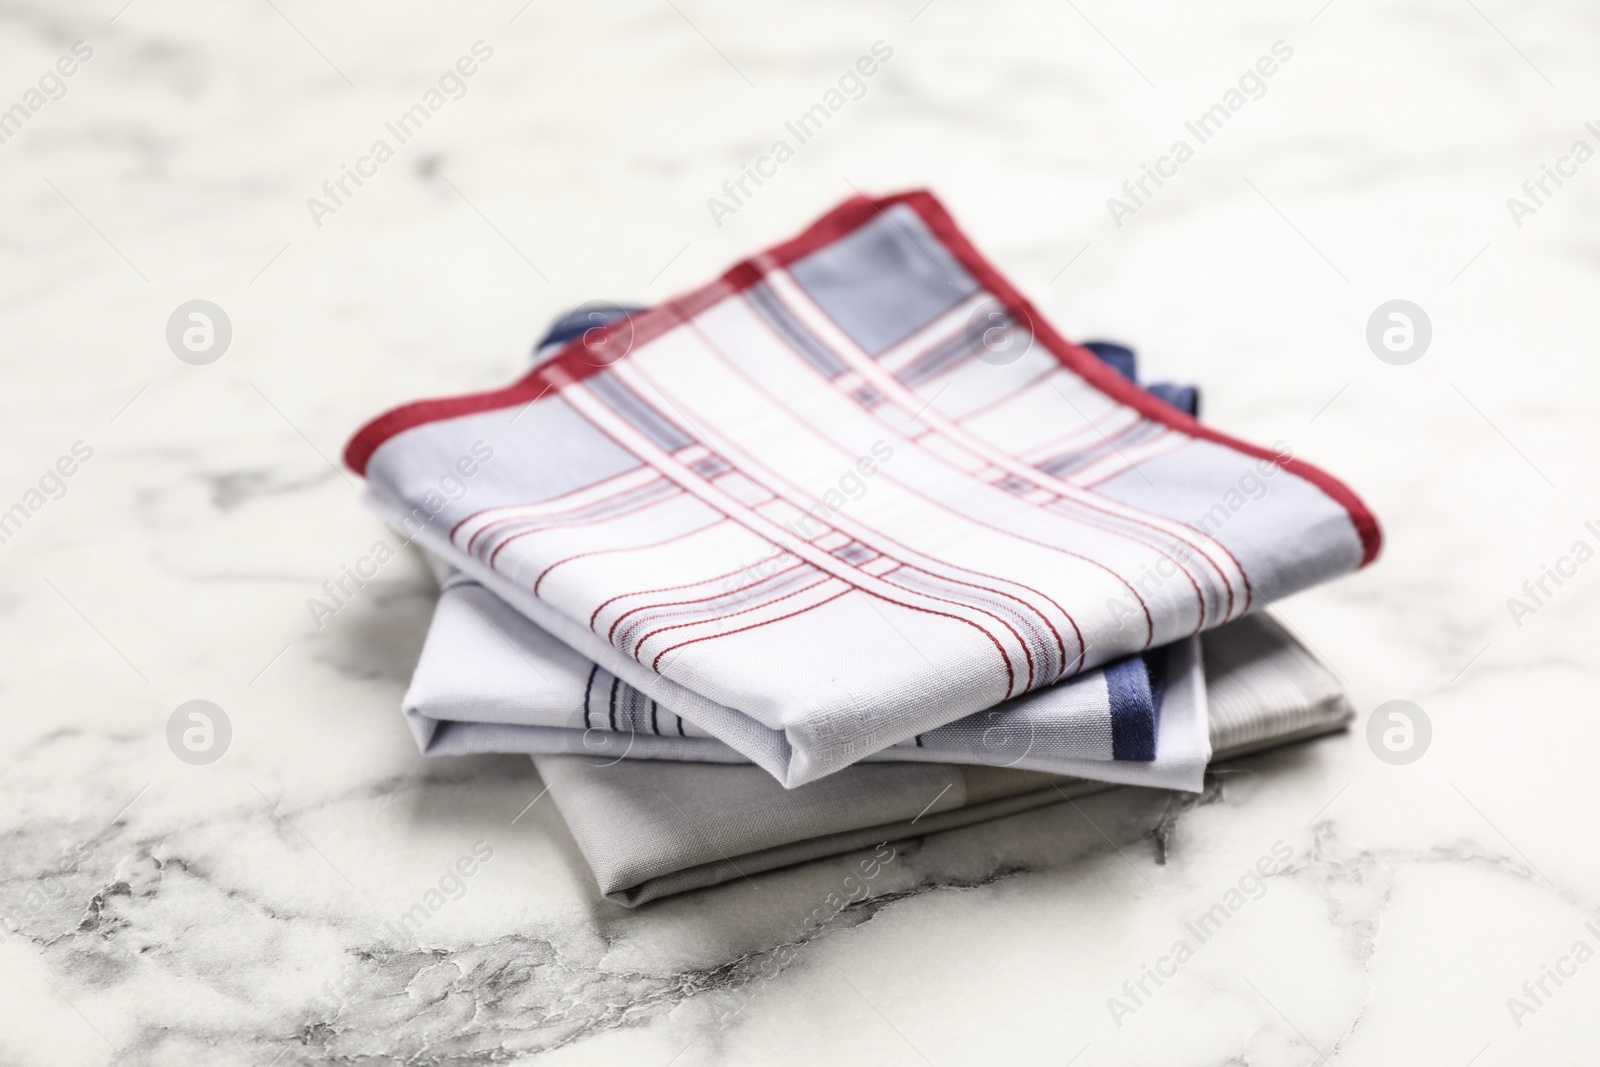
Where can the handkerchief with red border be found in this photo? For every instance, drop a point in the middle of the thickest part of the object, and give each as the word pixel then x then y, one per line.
pixel 853 490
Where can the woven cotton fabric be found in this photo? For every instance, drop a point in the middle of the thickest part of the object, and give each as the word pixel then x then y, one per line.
pixel 651 829
pixel 852 492
pixel 489 680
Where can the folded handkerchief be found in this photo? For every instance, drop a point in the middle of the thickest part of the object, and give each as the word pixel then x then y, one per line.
pixel 649 829
pixel 489 680
pixel 854 490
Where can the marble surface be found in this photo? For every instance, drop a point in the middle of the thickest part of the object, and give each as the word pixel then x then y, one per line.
pixel 235 913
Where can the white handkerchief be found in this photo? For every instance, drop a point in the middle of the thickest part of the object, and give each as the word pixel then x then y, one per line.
pixel 489 680
pixel 852 491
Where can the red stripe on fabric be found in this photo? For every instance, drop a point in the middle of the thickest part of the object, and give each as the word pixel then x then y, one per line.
pixel 984 409
pixel 1033 473
pixel 1083 363
pixel 625 548
pixel 1114 532
pixel 671 588
pixel 716 350
pixel 454 530
pixel 777 402
pixel 576 524
pixel 611 634
pixel 687 431
pixel 536 516
pixel 977 606
pixel 944 227
pixel 576 361
pixel 1011 678
pixel 637 645
pixel 655 664
pixel 1164 445
pixel 1051 449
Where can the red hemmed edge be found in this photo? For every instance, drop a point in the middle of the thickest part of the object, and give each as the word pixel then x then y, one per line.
pixel 1086 365
pixel 585 356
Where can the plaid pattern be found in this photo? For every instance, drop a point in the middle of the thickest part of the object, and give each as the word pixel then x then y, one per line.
pixel 1012 507
pixel 490 681
pixel 651 829
pixel 484 661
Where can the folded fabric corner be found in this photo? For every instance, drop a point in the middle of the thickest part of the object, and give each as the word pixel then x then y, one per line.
pixel 853 491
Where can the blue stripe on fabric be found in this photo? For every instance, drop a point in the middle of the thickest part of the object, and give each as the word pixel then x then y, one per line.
pixel 580 320
pixel 1119 358
pixel 1186 398
pixel 1135 684
pixel 587 686
pixel 1155 665
pixel 1133 710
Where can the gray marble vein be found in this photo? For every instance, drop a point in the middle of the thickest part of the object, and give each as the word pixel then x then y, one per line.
pixel 157 911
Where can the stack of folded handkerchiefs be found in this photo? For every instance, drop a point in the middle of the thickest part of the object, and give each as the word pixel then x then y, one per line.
pixel 846 546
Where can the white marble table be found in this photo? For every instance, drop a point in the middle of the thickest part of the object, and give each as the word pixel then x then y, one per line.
pixel 234 913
